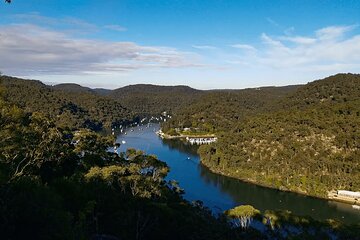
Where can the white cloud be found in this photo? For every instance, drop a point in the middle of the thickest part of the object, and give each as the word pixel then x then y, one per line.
pixel 271 42
pixel 204 47
pixel 333 32
pixel 299 40
pixel 244 47
pixel 327 47
pixel 272 22
pixel 117 28
pixel 69 24
pixel 289 30
pixel 28 49
pixel 296 58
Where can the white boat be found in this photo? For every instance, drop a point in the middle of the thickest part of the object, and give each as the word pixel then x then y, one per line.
pixel 356 207
pixel 123 141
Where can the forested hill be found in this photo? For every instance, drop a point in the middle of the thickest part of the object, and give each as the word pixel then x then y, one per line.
pixel 218 109
pixel 339 88
pixel 309 144
pixel 69 107
pixel 143 99
pixel 151 99
pixel 150 88
pixel 72 87
pixel 76 88
pixel 73 105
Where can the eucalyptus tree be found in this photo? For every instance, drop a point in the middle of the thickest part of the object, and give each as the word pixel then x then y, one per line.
pixel 243 215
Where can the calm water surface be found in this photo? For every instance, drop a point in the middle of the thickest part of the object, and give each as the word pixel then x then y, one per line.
pixel 219 192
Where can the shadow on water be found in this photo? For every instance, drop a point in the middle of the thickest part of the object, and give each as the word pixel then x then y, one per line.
pixel 265 198
pixel 219 192
pixel 179 145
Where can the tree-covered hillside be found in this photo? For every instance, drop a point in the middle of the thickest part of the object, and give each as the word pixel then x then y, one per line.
pixel 72 87
pixel 216 110
pixel 146 99
pixel 309 144
pixel 68 107
pixel 143 99
pixel 339 88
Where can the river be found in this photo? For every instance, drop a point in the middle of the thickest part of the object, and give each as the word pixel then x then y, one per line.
pixel 219 192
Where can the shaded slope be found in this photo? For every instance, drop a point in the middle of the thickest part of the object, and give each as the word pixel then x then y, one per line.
pixel 152 100
pixel 72 87
pixel 66 107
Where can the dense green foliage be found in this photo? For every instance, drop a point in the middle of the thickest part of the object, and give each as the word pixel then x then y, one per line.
pixel 146 99
pixel 75 108
pixel 307 141
pixel 74 105
pixel 72 87
pixel 217 110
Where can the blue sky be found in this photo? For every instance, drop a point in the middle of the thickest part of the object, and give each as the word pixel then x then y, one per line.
pixel 205 44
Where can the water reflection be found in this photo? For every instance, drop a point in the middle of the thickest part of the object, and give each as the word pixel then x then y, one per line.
pixel 220 192
pixel 181 146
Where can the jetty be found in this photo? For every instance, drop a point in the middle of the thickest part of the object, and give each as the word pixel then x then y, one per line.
pixel 345 196
pixel 191 138
pixel 201 140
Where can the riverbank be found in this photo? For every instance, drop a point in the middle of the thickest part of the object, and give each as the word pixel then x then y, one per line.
pixel 251 181
pixel 183 136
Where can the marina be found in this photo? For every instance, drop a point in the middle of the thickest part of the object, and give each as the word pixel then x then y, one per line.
pixel 191 138
pixel 201 140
